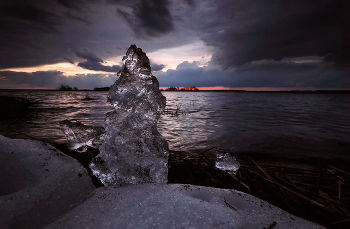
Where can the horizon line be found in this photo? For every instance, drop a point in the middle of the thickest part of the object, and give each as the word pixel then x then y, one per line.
pixel 216 88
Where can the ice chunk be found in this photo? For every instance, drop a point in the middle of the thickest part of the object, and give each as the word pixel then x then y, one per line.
pixel 226 162
pixel 81 136
pixel 133 151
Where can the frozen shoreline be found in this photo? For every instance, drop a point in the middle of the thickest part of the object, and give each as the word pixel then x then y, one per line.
pixel 59 194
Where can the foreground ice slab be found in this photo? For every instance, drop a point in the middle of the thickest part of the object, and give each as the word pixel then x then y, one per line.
pixel 38 184
pixel 152 206
pixel 133 151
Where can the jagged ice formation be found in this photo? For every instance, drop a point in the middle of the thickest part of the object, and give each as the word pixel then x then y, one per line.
pixel 133 151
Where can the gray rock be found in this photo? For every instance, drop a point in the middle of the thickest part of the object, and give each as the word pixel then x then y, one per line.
pixel 151 206
pixel 133 151
pixel 38 184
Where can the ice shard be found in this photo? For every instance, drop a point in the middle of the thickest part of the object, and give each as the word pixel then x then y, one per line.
pixel 226 162
pixel 133 151
pixel 81 136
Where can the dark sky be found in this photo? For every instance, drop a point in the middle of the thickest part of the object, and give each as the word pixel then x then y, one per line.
pixel 284 44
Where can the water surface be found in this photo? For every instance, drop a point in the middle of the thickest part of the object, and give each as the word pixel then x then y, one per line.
pixel 300 124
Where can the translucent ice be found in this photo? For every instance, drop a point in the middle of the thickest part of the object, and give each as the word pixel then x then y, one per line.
pixel 226 162
pixel 81 136
pixel 133 151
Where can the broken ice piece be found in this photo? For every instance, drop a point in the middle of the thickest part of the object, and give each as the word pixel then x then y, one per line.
pixel 81 136
pixel 227 163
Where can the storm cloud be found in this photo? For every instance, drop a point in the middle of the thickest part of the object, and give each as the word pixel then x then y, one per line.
pixel 157 67
pixel 276 43
pixel 36 32
pixel 16 14
pixel 30 33
pixel 93 62
pixel 52 80
pixel 149 18
pixel 252 30
pixel 76 4
pixel 268 74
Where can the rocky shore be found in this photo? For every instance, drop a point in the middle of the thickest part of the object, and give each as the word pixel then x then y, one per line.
pixel 44 188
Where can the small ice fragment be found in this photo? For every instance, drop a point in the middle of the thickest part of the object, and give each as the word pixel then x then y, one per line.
pixel 227 163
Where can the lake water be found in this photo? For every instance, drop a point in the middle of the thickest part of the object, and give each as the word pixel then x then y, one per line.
pixel 297 125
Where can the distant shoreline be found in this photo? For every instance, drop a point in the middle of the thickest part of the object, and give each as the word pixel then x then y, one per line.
pixel 245 91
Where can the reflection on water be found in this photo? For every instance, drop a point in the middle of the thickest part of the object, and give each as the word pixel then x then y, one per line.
pixel 231 120
pixel 56 106
pixel 238 120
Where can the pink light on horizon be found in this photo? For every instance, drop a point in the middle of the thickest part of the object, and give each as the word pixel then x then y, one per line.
pixel 253 88
pixel 222 88
pixel 216 88
pixel 207 88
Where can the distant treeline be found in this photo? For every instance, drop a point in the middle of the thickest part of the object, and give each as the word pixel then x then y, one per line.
pixel 66 88
pixel 101 89
pixel 69 88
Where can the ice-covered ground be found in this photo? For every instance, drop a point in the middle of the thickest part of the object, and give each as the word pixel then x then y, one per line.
pixel 41 187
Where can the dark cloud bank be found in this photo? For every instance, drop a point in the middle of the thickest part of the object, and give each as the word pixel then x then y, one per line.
pixel 252 30
pixel 270 74
pixel 150 18
pixel 52 80
pixel 251 40
pixel 93 62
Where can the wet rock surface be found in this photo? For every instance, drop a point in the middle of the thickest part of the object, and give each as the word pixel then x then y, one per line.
pixel 176 206
pixel 38 184
pixel 53 191
pixel 133 151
